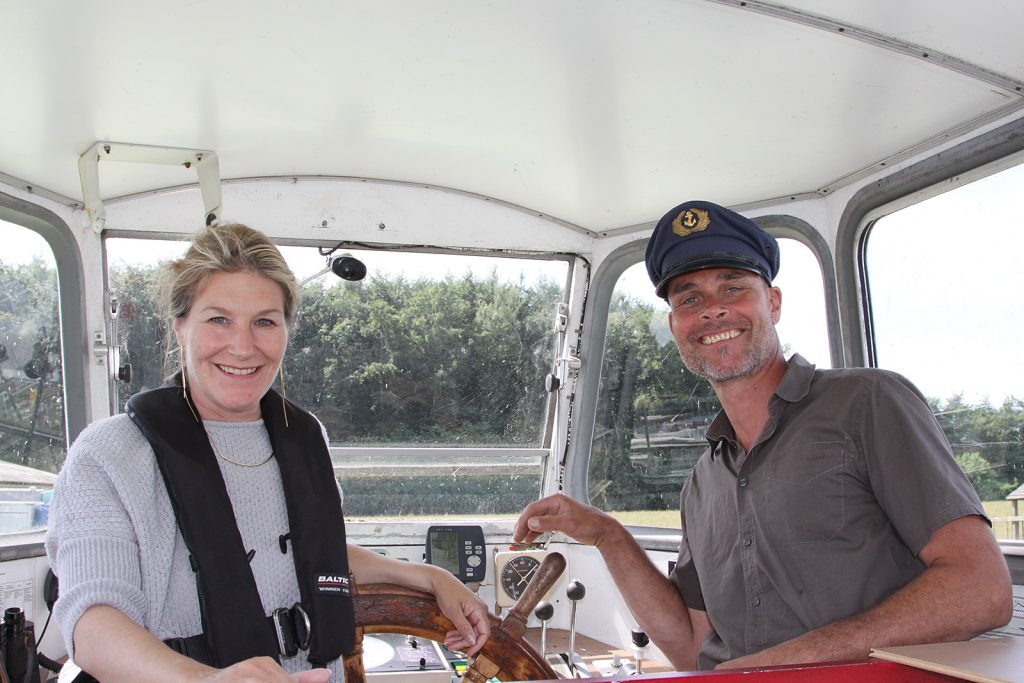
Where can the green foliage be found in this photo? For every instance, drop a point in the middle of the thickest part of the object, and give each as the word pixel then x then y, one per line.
pixel 458 361
pixel 643 449
pixel 31 400
pixel 388 360
pixel 142 336
pixel 984 476
pixel 648 409
pixel 994 436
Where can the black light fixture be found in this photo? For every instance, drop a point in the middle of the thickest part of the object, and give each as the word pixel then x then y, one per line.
pixel 346 266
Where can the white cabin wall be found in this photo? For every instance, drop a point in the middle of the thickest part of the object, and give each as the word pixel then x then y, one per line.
pixel 21 583
pixel 331 210
pixel 602 614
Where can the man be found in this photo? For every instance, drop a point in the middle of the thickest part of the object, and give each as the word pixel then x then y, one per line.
pixel 828 515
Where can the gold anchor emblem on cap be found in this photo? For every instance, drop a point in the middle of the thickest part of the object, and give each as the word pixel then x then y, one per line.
pixel 690 221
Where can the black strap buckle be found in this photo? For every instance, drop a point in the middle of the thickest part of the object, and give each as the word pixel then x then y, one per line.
pixel 292 628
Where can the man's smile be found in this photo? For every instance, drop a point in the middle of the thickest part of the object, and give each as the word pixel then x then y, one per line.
pixel 719 337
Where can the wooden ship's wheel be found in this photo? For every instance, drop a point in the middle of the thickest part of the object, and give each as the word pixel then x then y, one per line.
pixel 386 608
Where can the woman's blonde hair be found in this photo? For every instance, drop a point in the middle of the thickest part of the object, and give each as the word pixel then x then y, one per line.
pixel 230 248
pixel 224 249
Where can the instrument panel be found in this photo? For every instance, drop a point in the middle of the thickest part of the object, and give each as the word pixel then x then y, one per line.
pixel 458 549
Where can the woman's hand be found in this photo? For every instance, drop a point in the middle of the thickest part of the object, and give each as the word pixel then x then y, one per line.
pixel 458 603
pixel 262 670
pixel 465 609
pixel 141 658
pixel 312 676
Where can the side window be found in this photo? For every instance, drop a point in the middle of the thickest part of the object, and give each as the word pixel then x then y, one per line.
pixel 428 374
pixel 653 413
pixel 33 437
pixel 946 303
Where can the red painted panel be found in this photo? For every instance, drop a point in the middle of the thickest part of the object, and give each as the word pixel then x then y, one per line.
pixel 859 671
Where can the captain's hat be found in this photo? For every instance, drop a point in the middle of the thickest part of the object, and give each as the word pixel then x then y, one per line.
pixel 697 235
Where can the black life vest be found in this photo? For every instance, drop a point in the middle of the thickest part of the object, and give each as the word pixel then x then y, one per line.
pixel 232 613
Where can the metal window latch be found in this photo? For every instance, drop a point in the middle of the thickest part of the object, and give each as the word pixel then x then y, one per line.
pixel 100 348
pixel 563 364
pixel 561 318
pixel 104 346
pixel 566 363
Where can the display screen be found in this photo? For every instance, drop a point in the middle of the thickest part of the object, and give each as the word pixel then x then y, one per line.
pixel 444 550
pixel 458 549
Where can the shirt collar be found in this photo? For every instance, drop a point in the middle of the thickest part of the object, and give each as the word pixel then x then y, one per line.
pixel 795 384
pixel 793 387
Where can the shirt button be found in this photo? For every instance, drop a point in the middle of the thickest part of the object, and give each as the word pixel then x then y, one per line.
pixel 747 542
pixel 743 483
pixel 757 601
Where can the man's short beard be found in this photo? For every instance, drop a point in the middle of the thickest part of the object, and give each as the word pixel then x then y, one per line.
pixel 764 348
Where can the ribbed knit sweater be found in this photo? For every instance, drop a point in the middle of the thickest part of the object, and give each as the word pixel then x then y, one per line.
pixel 112 537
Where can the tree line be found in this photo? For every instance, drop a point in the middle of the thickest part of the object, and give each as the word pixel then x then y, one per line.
pixel 457 361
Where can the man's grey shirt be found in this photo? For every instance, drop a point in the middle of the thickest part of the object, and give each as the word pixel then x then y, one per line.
pixel 824 518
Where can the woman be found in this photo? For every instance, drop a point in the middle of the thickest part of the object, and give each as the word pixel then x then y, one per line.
pixel 199 536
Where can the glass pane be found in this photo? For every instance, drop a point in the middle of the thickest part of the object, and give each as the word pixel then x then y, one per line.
pixel 653 413
pixel 33 437
pixel 140 332
pixel 429 351
pixel 946 309
pixel 803 327
pixel 442 483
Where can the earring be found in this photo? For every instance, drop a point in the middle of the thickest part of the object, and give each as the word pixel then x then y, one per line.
pixel 184 385
pixel 284 408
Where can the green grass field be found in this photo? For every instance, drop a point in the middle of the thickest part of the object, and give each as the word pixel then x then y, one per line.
pixel 1003 530
pixel 659 518
pixel 670 518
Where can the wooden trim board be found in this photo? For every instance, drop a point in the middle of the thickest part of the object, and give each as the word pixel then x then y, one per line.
pixel 985 660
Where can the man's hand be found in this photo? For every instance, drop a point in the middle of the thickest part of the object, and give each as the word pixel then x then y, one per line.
pixel 773 656
pixel 649 594
pixel 557 512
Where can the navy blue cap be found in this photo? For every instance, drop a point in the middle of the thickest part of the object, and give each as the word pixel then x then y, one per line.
pixel 697 235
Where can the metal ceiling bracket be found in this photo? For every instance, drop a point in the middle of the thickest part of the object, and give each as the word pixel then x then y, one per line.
pixel 204 161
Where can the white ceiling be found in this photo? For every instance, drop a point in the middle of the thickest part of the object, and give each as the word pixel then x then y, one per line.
pixel 602 113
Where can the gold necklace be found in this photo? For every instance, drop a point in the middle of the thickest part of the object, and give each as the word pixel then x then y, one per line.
pixel 241 464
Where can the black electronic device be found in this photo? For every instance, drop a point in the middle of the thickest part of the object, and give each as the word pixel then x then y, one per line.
pixel 18 647
pixel 459 549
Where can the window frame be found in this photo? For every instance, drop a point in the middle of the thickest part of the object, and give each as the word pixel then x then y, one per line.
pixel 510 456
pixel 70 285
pixel 960 164
pixel 595 335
